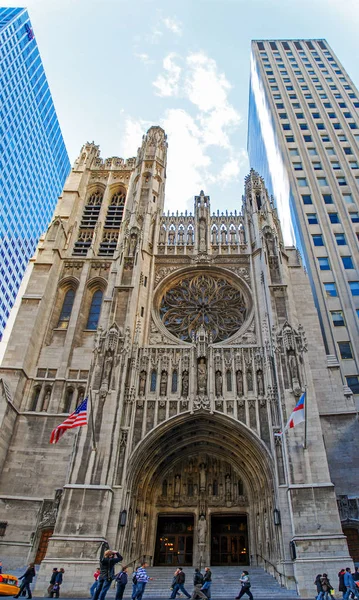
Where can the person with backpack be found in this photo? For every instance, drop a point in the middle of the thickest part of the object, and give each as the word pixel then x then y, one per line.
pixel 198 582
pixel 52 581
pixel 318 585
pixel 107 573
pixel 134 584
pixel 207 582
pixel 246 586
pixel 179 579
pixel 341 586
pixel 326 587
pixel 58 581
pixel 121 579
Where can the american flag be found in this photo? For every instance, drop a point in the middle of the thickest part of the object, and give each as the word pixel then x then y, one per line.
pixel 76 419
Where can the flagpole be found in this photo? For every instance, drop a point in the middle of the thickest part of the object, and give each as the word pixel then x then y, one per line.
pixel 305 444
pixel 94 447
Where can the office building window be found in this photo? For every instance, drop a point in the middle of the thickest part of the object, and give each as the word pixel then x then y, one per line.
pixel 298 166
pixel 312 152
pixel 303 126
pixel 345 350
pixel 317 166
pixel 299 115
pixel 337 126
pixel 335 166
pixel 318 239
pixel 331 290
pixel 286 127
pixel 347 262
pixel 347 150
pixel 348 198
pixel 322 182
pixel 307 199
pixel 330 151
pixel 316 115
pixel 283 116
pixel 353 164
pixel 323 262
pixel 353 126
pixel 334 217
pixel 325 138
pixel 312 219
pixel 353 383
pixel 338 318
pixel 340 239
pixel 289 138
pixel 341 137
pixel 341 181
pixel 293 152
pixel 354 287
pixel 354 216
pixel 320 126
pixel 307 138
pixel 302 182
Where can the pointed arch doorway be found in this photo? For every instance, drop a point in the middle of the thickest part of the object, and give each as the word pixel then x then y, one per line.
pixel 205 482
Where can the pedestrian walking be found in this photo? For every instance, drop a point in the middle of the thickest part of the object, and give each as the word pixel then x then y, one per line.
pixel 121 580
pixel 58 581
pixel 179 581
pixel 207 582
pixel 197 583
pixel 107 573
pixel 326 587
pixel 341 585
pixel 94 585
pixel 356 574
pixel 245 586
pixel 349 584
pixel 134 583
pixel 174 581
pixel 318 584
pixel 142 580
pixel 27 578
pixel 52 581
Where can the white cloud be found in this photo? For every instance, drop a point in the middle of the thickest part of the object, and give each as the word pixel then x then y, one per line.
pixel 173 25
pixel 132 136
pixel 143 57
pixel 167 84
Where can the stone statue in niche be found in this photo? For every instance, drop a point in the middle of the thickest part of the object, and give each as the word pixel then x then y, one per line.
pixel 219 383
pixel 214 236
pixel 270 245
pixel 241 234
pixel 48 396
pixel 190 237
pixel 260 383
pixel 162 235
pixel 227 484
pixel 142 384
pixel 177 485
pixel 202 530
pixel 132 245
pixel 180 237
pixel 185 383
pixel 239 382
pixel 171 237
pixel 202 235
pixel 163 383
pixel 202 376
pixel 202 477
pixel 250 380
pixel 232 235
pixel 106 377
pixel 293 367
pixel 223 236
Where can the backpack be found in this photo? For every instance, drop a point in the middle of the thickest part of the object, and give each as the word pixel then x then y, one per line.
pixel 134 578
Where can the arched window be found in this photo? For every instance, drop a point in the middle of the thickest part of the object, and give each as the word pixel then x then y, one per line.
pixel 215 488
pixel 68 400
pixel 229 380
pixel 91 211
pixel 35 397
pixel 153 381
pixel 164 488
pixel 95 309
pixel 115 211
pixel 66 309
pixel 174 382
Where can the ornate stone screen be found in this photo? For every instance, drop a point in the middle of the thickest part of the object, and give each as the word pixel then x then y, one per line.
pixel 208 300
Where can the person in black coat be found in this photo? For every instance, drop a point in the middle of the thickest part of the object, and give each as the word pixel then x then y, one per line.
pixel 107 573
pixel 58 581
pixel 27 578
pixel 52 581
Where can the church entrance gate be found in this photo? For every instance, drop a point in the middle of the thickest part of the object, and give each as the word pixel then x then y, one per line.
pixel 229 540
pixel 174 540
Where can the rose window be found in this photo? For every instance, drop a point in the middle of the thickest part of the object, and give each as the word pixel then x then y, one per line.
pixel 207 300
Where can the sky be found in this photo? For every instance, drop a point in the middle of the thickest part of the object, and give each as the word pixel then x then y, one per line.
pixel 116 67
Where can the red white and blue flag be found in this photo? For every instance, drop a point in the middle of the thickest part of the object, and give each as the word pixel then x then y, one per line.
pixel 298 414
pixel 76 419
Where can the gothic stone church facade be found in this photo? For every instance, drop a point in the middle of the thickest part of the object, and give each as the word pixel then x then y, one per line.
pixel 195 334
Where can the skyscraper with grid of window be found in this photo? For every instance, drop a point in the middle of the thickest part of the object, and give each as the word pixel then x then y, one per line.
pixel 33 158
pixel 303 137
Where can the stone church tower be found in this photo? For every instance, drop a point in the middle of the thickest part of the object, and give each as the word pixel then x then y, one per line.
pixel 194 336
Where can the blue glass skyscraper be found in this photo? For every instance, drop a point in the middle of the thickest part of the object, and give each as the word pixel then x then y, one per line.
pixel 33 158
